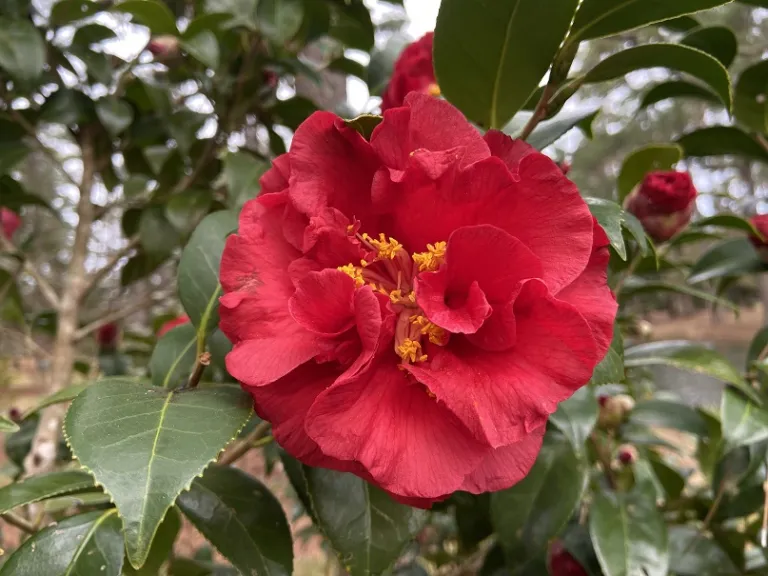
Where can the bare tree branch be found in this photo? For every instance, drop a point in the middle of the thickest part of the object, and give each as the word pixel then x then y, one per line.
pixel 45 287
pixel 99 275
pixel 124 312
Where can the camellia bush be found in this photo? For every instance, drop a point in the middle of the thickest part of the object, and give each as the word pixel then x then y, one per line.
pixel 407 310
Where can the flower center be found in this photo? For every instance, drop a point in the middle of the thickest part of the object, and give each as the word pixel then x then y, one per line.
pixel 390 270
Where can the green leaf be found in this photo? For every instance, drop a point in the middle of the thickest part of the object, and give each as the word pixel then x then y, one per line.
pixel 758 347
pixel 242 519
pixel 382 62
pixel 576 417
pixel 750 105
pixel 199 268
pixel 678 89
pixel 153 14
pixel 185 210
pixel 42 487
pixel 174 357
pixel 86 544
pixel 491 78
pixel 145 445
pixel 7 425
pixel 744 422
pixel 717 41
pixel 203 47
pixel 721 141
pixel 611 368
pixel 629 534
pixel 673 56
pixel 11 154
pixel 600 18
pixel 66 11
pixel 140 266
pixel 727 221
pixel 279 20
pixel 116 115
pixel 364 124
pixel 636 285
pixel 92 34
pixel 351 25
pixel 293 111
pixel 688 356
pixel 672 482
pixel 242 172
pixel 691 553
pixel 613 219
pixel 155 232
pixel 643 160
pixel 549 131
pixel 534 511
pixel 348 67
pixel 161 548
pixel 190 567
pixel 22 50
pixel 669 414
pixel 365 527
pixel 732 257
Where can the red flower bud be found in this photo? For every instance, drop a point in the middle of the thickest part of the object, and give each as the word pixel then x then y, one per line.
pixel 14 414
pixel 760 222
pixel 627 454
pixel 663 203
pixel 614 410
pixel 602 400
pixel 269 78
pixel 168 326
pixel 413 72
pixel 164 47
pixel 107 335
pixel 560 562
pixel 9 222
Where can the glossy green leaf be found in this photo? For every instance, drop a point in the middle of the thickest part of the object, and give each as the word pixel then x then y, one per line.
pixel 42 487
pixel 750 100
pixel 365 527
pixel 610 370
pixel 92 34
pixel 721 141
pixel 614 219
pixel 351 25
pixel 576 417
pixel 728 258
pixel 279 20
pixel 629 534
pixel 678 89
pixel 549 131
pixel 383 61
pixel 491 78
pixel 689 356
pixel 293 111
pixel 743 421
pixel 671 481
pixel 635 285
pixel 145 445
pixel 692 553
pixel 162 546
pixel 726 221
pixel 174 357
pixel 242 519
pixel 140 266
pixel 673 56
pixel 83 545
pixel 758 348
pixel 669 414
pixel 7 425
pixel 242 172
pixel 531 513
pixel 599 18
pixel 115 115
pixel 199 268
pixel 717 41
pixel 155 232
pixel 153 14
pixel 364 124
pixel 643 160
pixel 203 47
pixel 22 50
pixel 66 11
pixel 190 567
pixel 185 210
pixel 348 67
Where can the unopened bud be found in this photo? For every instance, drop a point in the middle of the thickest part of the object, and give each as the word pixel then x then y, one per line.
pixel 14 414
pixel 627 454
pixel 614 410
pixel 664 203
pixel 560 562
pixel 164 47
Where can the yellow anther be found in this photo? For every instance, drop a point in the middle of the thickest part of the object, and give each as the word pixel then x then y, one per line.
pixel 435 334
pixel 355 273
pixel 395 296
pixel 433 89
pixel 432 259
pixel 387 248
pixel 363 263
pixel 410 351
pixel 351 229
pixel 412 297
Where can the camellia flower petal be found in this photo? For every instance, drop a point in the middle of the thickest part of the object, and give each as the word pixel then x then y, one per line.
pixel 412 308
pixel 663 203
pixel 9 222
pixel 413 71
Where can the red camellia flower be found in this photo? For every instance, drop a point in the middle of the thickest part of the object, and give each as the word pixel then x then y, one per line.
pixel 171 324
pixel 9 222
pixel 760 222
pixel 560 562
pixel 413 72
pixel 412 308
pixel 107 335
pixel 663 203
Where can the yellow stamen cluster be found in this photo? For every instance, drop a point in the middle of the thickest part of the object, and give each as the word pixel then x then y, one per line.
pixel 410 351
pixel 435 334
pixel 388 248
pixel 431 260
pixel 433 89
pixel 354 272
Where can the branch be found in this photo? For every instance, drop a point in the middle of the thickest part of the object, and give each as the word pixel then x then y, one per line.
pixel 18 522
pixel 113 317
pixel 203 360
pixel 32 132
pixel 99 275
pixel 242 447
pixel 45 287
pixel 539 113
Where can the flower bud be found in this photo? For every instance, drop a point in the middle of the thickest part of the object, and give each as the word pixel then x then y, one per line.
pixel 413 72
pixel 560 562
pixel 171 324
pixel 663 203
pixel 14 414
pixel 614 410
pixel 760 222
pixel 627 454
pixel 164 47
pixel 9 222
pixel 107 336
